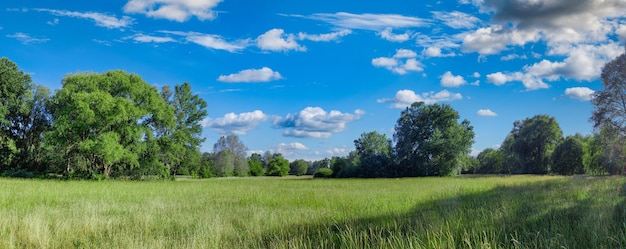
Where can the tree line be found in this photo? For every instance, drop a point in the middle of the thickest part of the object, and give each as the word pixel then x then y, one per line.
pixel 115 125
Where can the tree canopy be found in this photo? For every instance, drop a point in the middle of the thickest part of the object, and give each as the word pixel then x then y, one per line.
pixel 430 141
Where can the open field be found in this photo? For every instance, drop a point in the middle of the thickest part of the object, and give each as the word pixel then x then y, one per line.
pixel 456 212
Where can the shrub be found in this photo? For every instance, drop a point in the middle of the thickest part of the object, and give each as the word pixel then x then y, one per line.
pixel 323 173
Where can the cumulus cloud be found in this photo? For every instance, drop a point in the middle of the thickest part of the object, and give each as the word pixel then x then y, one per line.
pixel 232 123
pixel 580 64
pixel 496 38
pixel 315 122
pixel 405 98
pixel 580 93
pixel 403 62
pixel 175 10
pixel 388 35
pixel 325 37
pixel 486 113
pixel 450 80
pixel 436 52
pixel 264 74
pixel 277 40
pixel 456 19
pixel 152 39
pixel 375 22
pixel 26 38
pixel 102 20
pixel 211 41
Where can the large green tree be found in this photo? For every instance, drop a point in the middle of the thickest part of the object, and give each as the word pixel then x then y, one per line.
pixel 105 123
pixel 430 141
pixel 15 92
pixel 278 166
pixel 490 161
pixel 184 139
pixel 532 142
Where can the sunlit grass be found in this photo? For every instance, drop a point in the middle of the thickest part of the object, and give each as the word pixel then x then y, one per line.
pixel 484 212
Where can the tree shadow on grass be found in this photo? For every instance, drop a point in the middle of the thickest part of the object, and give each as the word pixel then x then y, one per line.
pixel 560 213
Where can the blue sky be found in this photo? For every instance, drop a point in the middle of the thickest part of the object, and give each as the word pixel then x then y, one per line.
pixel 306 78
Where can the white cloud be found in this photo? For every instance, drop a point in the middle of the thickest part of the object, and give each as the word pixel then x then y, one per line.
pixel 403 62
pixel 264 74
pixel 494 39
pixel 325 37
pixel 336 151
pixel 436 52
pixel 621 32
pixel 102 20
pixel 456 19
pixel 211 41
pixel 580 93
pixel 405 98
pixel 580 64
pixel 388 35
pixel 152 39
pixel 277 40
pixel 53 22
pixel 450 80
pixel 315 122
pixel 236 123
pixel 486 113
pixel 27 39
pixel 375 22
pixel 476 75
pixel 175 10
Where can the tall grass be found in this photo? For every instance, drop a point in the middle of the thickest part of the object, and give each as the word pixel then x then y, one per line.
pixel 486 212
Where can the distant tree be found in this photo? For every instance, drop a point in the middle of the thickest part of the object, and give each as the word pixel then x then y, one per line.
pixel 278 166
pixel 255 164
pixel 339 164
pixel 103 123
pixel 430 141
pixel 298 167
pixel 567 158
pixel 374 150
pixel 533 141
pixel 315 165
pixel 234 162
pixel 323 173
pixel 490 161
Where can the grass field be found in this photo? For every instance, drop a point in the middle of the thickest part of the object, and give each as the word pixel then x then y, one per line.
pixel 455 212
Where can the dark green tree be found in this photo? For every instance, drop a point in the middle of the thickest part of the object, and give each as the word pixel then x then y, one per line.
pixel 298 167
pixel 567 158
pixel 490 161
pixel 430 141
pixel 374 151
pixel 533 141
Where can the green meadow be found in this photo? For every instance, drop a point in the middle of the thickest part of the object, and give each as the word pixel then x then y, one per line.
pixel 454 212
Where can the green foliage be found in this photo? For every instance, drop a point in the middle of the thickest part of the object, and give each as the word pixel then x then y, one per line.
pixel 298 167
pixel 430 141
pixel 374 152
pixel 277 166
pixel 256 166
pixel 490 161
pixel 567 158
pixel 104 122
pixel 315 165
pixel 323 173
pixel 531 143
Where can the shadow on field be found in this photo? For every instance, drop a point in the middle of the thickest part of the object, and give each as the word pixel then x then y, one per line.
pixel 569 213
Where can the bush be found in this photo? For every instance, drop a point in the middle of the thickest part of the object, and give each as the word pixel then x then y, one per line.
pixel 323 173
